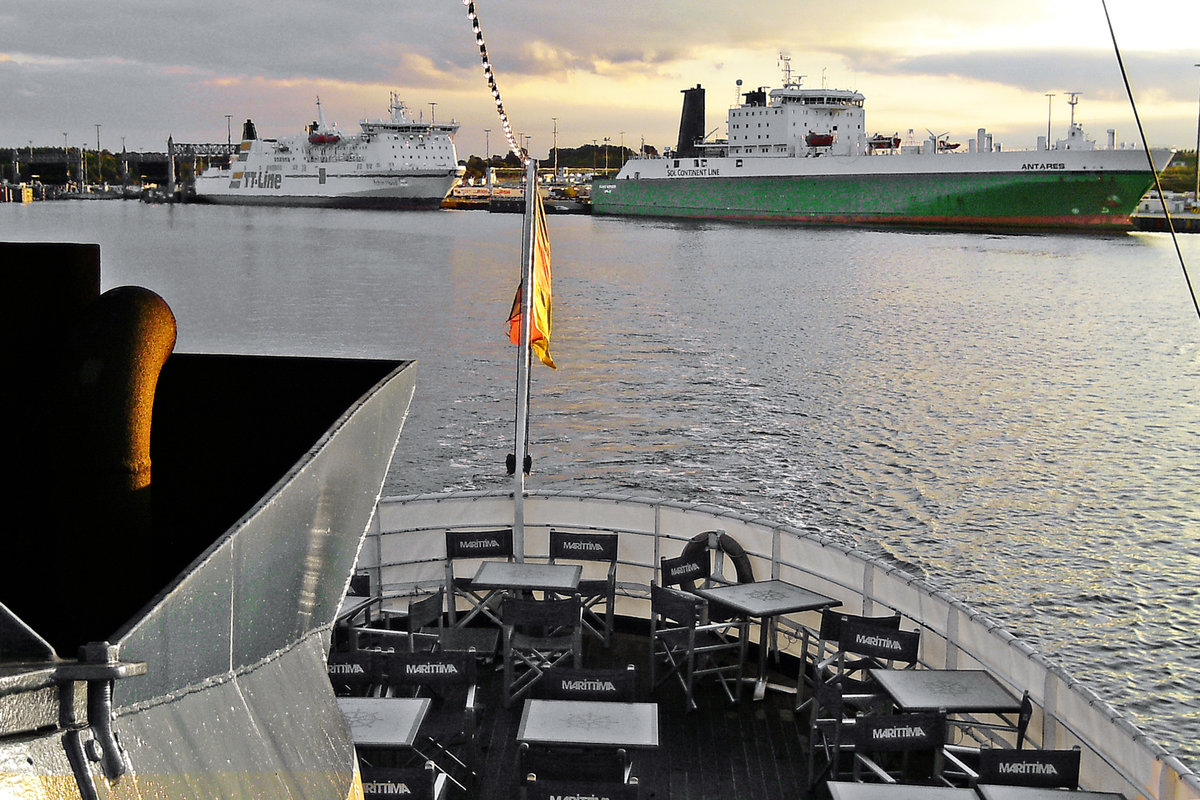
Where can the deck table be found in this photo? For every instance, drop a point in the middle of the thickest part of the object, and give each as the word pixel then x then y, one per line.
pixel 850 790
pixel 766 600
pixel 498 577
pixel 589 723
pixel 384 721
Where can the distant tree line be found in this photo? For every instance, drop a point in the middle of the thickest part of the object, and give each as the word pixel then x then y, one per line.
pixel 589 157
pixel 1180 175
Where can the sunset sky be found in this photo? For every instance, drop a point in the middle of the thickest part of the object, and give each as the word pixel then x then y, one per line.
pixel 146 69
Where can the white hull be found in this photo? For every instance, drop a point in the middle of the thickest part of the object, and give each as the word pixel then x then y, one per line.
pixel 383 190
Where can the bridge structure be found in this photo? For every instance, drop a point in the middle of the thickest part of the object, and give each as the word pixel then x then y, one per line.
pixel 64 165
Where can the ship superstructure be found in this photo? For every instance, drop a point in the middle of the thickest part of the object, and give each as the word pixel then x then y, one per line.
pixel 398 162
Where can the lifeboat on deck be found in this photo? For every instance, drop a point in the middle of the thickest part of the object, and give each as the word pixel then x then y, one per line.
pixel 879 142
pixel 819 139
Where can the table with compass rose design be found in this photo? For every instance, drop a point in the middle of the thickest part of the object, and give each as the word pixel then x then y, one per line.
pixel 957 691
pixel 589 722
pixel 384 721
pixel 766 600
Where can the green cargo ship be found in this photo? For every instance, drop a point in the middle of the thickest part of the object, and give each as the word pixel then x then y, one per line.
pixel 802 156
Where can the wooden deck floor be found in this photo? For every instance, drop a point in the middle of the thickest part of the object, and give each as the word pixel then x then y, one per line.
pixel 752 750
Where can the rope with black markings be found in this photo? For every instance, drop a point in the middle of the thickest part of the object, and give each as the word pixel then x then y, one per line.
pixel 473 16
pixel 1150 157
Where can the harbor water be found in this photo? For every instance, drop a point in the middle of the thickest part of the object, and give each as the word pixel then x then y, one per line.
pixel 1013 418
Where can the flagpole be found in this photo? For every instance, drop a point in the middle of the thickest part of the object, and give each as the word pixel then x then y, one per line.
pixel 523 362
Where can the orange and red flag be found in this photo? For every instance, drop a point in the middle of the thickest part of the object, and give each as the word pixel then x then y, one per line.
pixel 539 329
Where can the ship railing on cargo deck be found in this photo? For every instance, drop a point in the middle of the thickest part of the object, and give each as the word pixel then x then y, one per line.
pixel 404 556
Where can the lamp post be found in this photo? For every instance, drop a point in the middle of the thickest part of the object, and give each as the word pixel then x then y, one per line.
pixel 229 129
pixel 622 148
pixel 99 173
pixel 432 112
pixel 555 121
pixel 606 141
pixel 1049 105
pixel 66 161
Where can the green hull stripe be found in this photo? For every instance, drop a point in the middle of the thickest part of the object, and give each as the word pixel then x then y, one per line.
pixel 1035 200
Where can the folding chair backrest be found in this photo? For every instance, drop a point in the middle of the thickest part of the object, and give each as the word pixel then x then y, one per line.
pixel 526 614
pixel 427 612
pixel 354 672
pixel 832 620
pixel 912 731
pixel 437 670
pixel 686 569
pixel 556 790
pixel 577 546
pixel 479 544
pixel 360 584
pixel 573 763
pixel 1057 769
pixel 388 783
pixel 676 606
pixel 567 683
pixel 879 643
pixel 830 703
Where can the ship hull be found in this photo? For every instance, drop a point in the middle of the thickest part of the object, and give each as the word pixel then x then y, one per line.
pixel 380 192
pixel 943 192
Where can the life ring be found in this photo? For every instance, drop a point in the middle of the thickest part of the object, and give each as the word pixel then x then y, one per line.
pixel 730 547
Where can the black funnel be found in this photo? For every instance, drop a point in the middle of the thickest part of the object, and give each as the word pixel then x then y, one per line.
pixel 691 122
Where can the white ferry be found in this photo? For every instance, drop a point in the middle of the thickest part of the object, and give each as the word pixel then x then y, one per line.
pixel 399 162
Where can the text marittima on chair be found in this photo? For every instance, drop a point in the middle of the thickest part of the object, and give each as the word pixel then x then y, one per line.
pixel 598 594
pixel 828 657
pixel 538 635
pixel 547 770
pixel 473 546
pixel 1047 769
pixel 450 731
pixel 589 683
pixel 1044 769
pixel 900 748
pixel 684 644
pixel 964 758
pixel 356 674
pixel 413 783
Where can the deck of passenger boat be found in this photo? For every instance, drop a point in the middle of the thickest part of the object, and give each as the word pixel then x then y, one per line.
pixel 750 750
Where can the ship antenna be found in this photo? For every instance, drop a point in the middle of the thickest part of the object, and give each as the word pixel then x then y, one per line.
pixel 787 69
pixel 1150 159
pixel 1074 101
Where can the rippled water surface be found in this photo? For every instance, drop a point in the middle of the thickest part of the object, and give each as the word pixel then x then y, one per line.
pixel 1016 418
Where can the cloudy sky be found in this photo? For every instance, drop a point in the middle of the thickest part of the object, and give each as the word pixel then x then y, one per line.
pixel 146 69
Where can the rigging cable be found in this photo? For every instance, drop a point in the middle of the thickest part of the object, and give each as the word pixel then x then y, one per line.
pixel 473 16
pixel 1150 158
